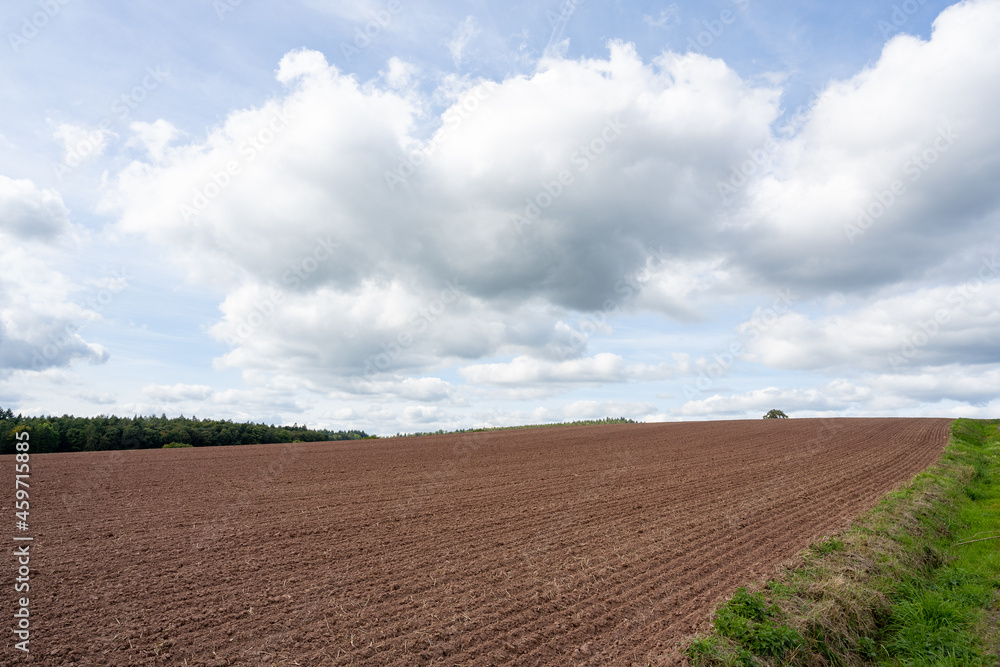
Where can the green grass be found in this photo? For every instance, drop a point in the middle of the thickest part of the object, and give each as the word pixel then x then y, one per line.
pixel 904 586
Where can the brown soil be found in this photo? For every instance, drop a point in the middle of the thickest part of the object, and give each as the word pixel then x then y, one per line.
pixel 582 545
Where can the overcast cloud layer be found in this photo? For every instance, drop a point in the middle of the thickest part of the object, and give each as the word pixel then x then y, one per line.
pixel 512 226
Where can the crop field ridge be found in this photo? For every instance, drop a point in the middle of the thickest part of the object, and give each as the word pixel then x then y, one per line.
pixel 575 545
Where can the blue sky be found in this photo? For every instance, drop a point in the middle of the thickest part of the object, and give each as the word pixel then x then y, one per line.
pixel 404 216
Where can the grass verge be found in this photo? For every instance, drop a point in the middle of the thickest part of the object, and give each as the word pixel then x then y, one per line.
pixel 915 581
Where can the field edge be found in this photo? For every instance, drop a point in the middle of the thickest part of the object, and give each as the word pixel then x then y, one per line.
pixel 902 585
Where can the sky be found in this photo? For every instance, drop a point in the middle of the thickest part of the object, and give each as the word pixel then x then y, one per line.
pixel 407 215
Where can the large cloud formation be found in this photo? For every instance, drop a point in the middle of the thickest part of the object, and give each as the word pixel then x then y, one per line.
pixel 534 196
pixel 368 230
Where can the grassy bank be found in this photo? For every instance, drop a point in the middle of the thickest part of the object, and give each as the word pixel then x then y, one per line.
pixel 916 581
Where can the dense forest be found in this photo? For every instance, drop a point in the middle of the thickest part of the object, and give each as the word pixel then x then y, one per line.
pixel 81 434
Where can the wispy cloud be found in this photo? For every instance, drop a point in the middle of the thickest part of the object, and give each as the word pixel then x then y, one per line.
pixel 460 40
pixel 81 143
pixel 665 18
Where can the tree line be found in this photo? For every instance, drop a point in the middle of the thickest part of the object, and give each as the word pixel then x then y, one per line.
pixel 85 434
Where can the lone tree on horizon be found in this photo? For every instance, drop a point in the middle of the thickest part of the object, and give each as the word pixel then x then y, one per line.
pixel 775 414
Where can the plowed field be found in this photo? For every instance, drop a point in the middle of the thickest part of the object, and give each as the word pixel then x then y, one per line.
pixel 586 545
